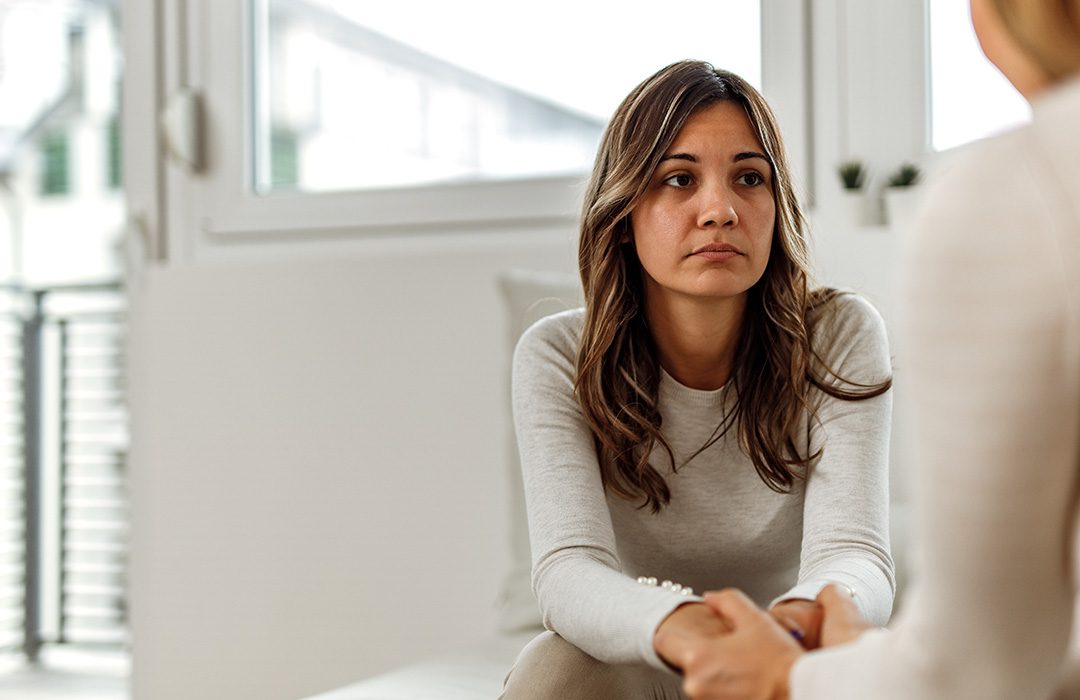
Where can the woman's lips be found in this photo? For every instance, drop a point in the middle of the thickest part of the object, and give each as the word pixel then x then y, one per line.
pixel 717 251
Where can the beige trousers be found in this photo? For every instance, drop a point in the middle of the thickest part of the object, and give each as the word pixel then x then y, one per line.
pixel 549 667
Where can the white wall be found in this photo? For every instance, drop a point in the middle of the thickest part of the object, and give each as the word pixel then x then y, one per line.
pixel 318 465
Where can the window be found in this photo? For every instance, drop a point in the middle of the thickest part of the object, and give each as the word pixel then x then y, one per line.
pixel 112 145
pixel 361 95
pixel 284 159
pixel 330 117
pixel 969 98
pixel 54 165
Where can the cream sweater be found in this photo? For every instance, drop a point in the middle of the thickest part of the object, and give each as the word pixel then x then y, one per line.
pixel 724 526
pixel 993 302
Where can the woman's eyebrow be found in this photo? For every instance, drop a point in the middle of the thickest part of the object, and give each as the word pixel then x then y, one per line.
pixel 751 154
pixel 680 156
pixel 738 156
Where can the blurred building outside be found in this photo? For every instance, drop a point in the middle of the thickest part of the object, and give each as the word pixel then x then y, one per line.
pixel 63 437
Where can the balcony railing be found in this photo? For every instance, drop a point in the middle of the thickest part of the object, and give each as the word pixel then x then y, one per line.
pixel 63 447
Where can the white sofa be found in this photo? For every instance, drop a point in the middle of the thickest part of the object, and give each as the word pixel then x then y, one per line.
pixel 477 672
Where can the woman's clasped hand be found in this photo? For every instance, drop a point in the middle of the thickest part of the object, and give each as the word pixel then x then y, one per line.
pixel 750 652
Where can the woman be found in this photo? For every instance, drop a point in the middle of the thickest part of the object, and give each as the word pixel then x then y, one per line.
pixel 994 306
pixel 707 418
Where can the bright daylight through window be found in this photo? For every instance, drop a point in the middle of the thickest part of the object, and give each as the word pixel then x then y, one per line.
pixel 969 98
pixel 361 95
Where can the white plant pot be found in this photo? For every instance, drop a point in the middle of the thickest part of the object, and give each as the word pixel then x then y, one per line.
pixel 901 204
pixel 860 208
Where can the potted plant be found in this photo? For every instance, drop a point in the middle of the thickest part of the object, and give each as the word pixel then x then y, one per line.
pixel 852 175
pixel 906 175
pixel 860 209
pixel 901 195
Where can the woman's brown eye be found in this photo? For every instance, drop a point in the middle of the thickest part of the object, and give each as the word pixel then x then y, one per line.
pixel 680 180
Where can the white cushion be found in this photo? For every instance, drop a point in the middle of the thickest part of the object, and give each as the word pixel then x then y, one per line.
pixel 527 297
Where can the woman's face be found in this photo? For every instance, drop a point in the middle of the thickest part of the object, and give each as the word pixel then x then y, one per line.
pixel 704 227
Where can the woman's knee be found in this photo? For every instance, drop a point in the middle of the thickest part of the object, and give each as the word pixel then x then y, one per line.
pixel 551 667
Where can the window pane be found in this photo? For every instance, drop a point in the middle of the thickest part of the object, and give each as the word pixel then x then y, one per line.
pixel 362 95
pixel 54 166
pixel 969 97
pixel 113 146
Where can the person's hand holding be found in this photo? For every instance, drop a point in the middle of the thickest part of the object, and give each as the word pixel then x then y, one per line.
pixel 802 618
pixel 750 662
pixel 685 631
pixel 841 620
pixel 729 649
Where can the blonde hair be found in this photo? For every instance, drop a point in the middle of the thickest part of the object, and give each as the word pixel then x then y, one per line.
pixel 1047 30
pixel 617 370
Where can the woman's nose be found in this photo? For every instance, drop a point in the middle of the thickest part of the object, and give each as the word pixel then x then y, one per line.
pixel 717 208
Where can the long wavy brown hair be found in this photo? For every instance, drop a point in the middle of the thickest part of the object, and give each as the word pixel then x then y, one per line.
pixel 618 373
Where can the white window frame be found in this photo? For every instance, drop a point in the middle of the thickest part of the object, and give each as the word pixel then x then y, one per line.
pixel 933 154
pixel 869 94
pixel 203 47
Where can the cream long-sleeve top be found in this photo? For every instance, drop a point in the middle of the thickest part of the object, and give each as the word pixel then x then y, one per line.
pixel 993 325
pixel 723 525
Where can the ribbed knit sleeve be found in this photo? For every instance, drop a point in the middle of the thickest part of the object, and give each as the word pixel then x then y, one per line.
pixel 577 576
pixel 846 503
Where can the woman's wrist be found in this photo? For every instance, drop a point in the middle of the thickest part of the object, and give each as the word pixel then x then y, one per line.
pixel 683 629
